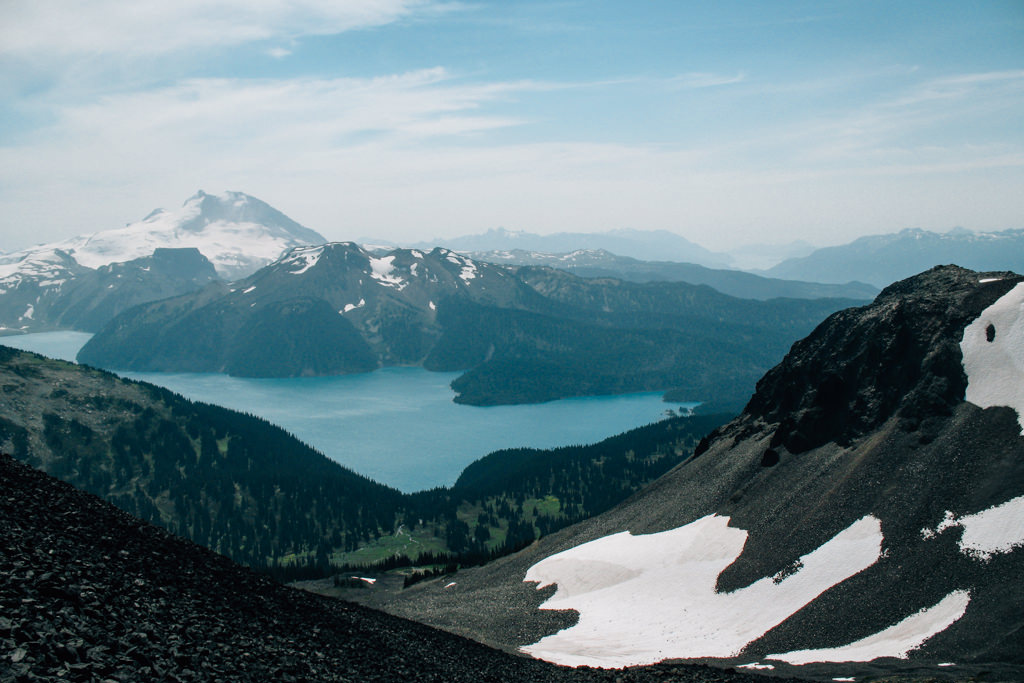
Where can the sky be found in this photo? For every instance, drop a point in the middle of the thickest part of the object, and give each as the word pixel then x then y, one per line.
pixel 727 122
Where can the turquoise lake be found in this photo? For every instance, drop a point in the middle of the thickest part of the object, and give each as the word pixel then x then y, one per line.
pixel 398 426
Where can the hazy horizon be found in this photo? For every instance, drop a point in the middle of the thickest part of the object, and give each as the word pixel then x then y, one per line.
pixel 407 120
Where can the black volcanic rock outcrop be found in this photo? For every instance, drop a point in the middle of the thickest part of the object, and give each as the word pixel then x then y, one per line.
pixel 863 433
pixel 899 356
pixel 89 593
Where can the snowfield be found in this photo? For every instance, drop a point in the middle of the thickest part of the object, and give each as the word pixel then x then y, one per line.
pixel 646 598
pixel 896 641
pixel 382 270
pixel 303 258
pixel 997 530
pixel 643 599
pixel 993 351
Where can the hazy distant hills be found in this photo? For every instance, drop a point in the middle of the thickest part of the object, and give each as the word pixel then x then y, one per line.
pixel 866 509
pixel 601 263
pixel 523 334
pixel 881 259
pixel 651 245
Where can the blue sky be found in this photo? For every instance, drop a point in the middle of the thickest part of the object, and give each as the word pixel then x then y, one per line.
pixel 726 122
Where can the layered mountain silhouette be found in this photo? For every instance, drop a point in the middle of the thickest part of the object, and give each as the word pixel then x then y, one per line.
pixel 603 263
pixel 882 259
pixel 638 244
pixel 863 515
pixel 522 334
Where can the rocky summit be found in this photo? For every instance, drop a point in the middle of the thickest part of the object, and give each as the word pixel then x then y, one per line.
pixel 89 593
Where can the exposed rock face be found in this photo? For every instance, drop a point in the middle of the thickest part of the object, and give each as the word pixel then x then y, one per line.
pixel 89 593
pixel 899 356
pixel 864 421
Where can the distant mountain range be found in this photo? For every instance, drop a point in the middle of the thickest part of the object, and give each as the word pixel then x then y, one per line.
pixel 651 245
pixel 881 259
pixel 863 516
pixel 601 263
pixel 523 334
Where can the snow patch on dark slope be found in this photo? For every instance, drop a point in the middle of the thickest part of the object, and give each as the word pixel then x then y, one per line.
pixel 865 419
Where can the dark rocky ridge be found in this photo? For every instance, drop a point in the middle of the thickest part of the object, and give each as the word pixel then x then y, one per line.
pixel 890 436
pixel 899 356
pixel 88 593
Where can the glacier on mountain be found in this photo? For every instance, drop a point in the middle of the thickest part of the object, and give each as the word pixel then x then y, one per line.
pixel 238 234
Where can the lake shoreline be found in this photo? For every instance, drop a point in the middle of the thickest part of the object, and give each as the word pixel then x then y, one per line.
pixel 396 425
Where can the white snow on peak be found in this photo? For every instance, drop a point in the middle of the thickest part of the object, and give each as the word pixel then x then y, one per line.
pixel 643 599
pixel 468 271
pixel 38 263
pixel 382 270
pixel 989 279
pixel 896 641
pixel 993 354
pixel 248 289
pixel 304 258
pixel 417 253
pixel 994 531
pixel 237 233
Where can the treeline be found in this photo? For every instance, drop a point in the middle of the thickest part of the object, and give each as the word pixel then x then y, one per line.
pixel 251 491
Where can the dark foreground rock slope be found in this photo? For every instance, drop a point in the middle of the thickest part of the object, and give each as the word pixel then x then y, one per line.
pixel 89 593
pixel 864 426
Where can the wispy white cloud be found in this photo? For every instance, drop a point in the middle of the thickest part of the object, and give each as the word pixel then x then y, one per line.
pixel 704 80
pixel 299 111
pixel 40 28
pixel 429 151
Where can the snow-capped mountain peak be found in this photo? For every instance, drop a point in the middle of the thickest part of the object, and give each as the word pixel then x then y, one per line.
pixel 238 233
